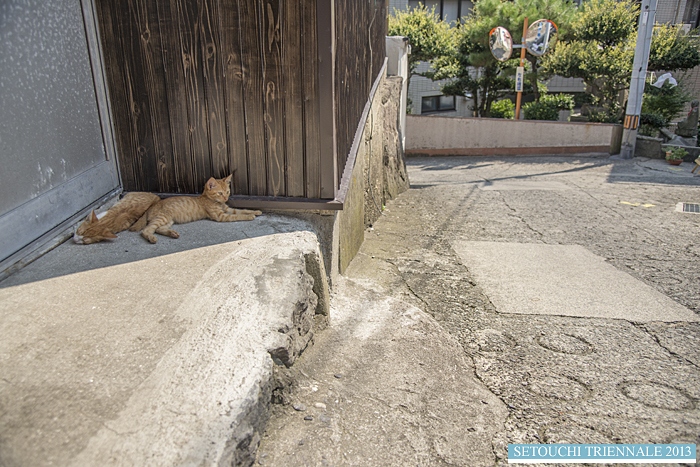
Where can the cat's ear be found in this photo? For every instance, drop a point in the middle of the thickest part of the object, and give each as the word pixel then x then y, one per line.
pixel 211 183
pixel 109 235
pixel 227 180
pixel 92 217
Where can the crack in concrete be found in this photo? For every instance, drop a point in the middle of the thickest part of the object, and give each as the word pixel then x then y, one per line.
pixel 643 328
pixel 599 202
pixel 521 219
pixel 410 289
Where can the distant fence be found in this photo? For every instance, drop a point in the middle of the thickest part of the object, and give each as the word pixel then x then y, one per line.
pixel 497 136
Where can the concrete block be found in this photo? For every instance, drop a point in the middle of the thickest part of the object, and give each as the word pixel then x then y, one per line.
pixel 648 146
pixel 164 361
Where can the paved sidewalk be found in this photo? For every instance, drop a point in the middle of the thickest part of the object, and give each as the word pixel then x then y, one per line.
pixel 607 352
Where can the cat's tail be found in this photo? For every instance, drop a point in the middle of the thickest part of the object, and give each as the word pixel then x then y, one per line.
pixel 142 222
pixel 139 225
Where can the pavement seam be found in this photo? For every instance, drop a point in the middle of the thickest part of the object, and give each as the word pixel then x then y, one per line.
pixel 470 356
pixel 643 328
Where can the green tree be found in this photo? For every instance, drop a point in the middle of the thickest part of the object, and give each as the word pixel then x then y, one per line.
pixel 474 70
pixel 600 50
pixel 430 38
pixel 673 50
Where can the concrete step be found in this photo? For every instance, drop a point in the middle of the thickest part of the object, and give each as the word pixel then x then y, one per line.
pixel 166 361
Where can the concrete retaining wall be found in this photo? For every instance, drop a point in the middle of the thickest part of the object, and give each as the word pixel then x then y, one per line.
pixel 497 136
pixel 379 175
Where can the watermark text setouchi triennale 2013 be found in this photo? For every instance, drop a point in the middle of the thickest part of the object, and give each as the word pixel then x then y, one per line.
pixel 601 453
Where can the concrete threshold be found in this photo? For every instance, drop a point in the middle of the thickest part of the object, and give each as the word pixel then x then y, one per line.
pixel 169 360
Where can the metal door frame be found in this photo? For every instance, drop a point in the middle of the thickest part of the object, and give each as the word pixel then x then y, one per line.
pixel 103 178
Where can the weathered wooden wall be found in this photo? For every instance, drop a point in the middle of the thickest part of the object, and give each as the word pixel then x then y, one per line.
pixel 205 88
pixel 360 29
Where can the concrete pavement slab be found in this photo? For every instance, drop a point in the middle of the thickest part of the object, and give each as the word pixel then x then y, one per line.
pixel 661 165
pixel 110 359
pixel 383 386
pixel 563 280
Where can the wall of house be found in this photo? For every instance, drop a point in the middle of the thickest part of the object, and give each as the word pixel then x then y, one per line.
pixel 209 88
pixel 494 136
pixel 421 87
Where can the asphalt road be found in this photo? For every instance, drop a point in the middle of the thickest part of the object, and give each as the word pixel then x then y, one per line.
pixel 571 284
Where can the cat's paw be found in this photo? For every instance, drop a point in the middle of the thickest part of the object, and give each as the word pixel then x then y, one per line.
pixel 257 213
pixel 152 239
pixel 174 234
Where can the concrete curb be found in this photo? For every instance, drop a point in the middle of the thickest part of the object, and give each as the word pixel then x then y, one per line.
pixel 168 361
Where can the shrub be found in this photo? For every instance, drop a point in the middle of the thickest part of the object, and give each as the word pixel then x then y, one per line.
pixel 548 107
pixel 581 98
pixel 650 124
pixel 502 109
pixel 603 117
pixel 667 102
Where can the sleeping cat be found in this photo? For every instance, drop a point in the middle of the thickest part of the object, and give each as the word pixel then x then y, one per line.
pixel 118 218
pixel 211 204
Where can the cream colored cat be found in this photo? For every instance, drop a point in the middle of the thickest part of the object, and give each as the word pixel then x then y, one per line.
pixel 119 217
pixel 211 204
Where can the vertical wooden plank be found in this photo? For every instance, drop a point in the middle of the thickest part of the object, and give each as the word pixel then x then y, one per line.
pixel 312 118
pixel 360 30
pixel 175 90
pixel 274 98
pixel 189 20
pixel 155 88
pixel 230 55
pixel 253 79
pixel 379 37
pixel 117 81
pixel 214 87
pixel 345 80
pixel 326 26
pixel 293 104
pixel 131 20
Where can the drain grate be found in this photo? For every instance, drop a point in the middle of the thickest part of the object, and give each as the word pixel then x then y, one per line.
pixel 687 207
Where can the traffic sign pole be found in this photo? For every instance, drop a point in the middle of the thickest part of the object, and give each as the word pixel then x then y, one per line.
pixel 522 64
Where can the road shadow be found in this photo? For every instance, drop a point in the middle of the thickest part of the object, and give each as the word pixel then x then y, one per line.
pixel 439 170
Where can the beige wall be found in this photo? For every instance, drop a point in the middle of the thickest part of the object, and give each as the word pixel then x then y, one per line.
pixel 495 136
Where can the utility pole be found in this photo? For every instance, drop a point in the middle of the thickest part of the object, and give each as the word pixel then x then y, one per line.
pixel 639 73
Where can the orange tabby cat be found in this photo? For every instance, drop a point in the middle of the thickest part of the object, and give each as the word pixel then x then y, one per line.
pixel 119 217
pixel 211 204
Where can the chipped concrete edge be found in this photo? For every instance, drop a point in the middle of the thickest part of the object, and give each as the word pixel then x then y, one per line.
pixel 209 400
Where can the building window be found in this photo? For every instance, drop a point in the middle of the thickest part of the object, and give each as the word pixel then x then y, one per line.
pixel 447 10
pixel 437 104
